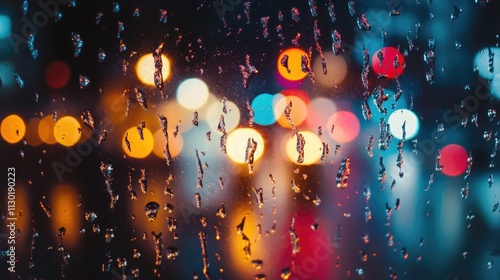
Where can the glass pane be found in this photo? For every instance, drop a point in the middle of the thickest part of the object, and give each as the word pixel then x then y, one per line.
pixel 231 139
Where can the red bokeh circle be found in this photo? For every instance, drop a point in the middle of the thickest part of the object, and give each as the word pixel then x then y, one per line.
pixel 57 74
pixel 453 160
pixel 386 68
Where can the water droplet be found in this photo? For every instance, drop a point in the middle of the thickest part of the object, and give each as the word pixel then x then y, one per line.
pixel 456 11
pixel 84 81
pixel 151 210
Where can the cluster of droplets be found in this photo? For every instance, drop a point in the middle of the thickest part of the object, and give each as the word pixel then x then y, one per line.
pixel 106 169
pixel 248 71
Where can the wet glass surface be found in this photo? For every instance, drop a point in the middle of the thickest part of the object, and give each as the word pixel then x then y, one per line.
pixel 309 139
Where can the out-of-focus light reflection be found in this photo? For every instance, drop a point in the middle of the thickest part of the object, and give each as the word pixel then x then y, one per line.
pixel 482 62
pixel 31 136
pixel 410 121
pixel 145 69
pixel 177 115
pixel 67 131
pixel 453 159
pixel 5 26
pixel 46 130
pixel 450 219
pixel 262 105
pixel 175 144
pixel 343 126
pixel 192 93
pixel 387 66
pixel 410 170
pixel 6 70
pixel 317 248
pixel 115 106
pixel 298 113
pixel 486 198
pixel 13 129
pixel 239 258
pixel 312 149
pixel 408 223
pixel 66 213
pixel 318 111
pixel 495 86
pixel 336 70
pixel 231 119
pixel 237 144
pixel 294 64
pixel 57 74
pixel 138 148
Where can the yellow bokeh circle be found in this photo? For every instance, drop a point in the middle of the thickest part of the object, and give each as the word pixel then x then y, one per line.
pixel 13 129
pixel 145 69
pixel 237 142
pixel 294 64
pixel 139 148
pixel 312 149
pixel 67 131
